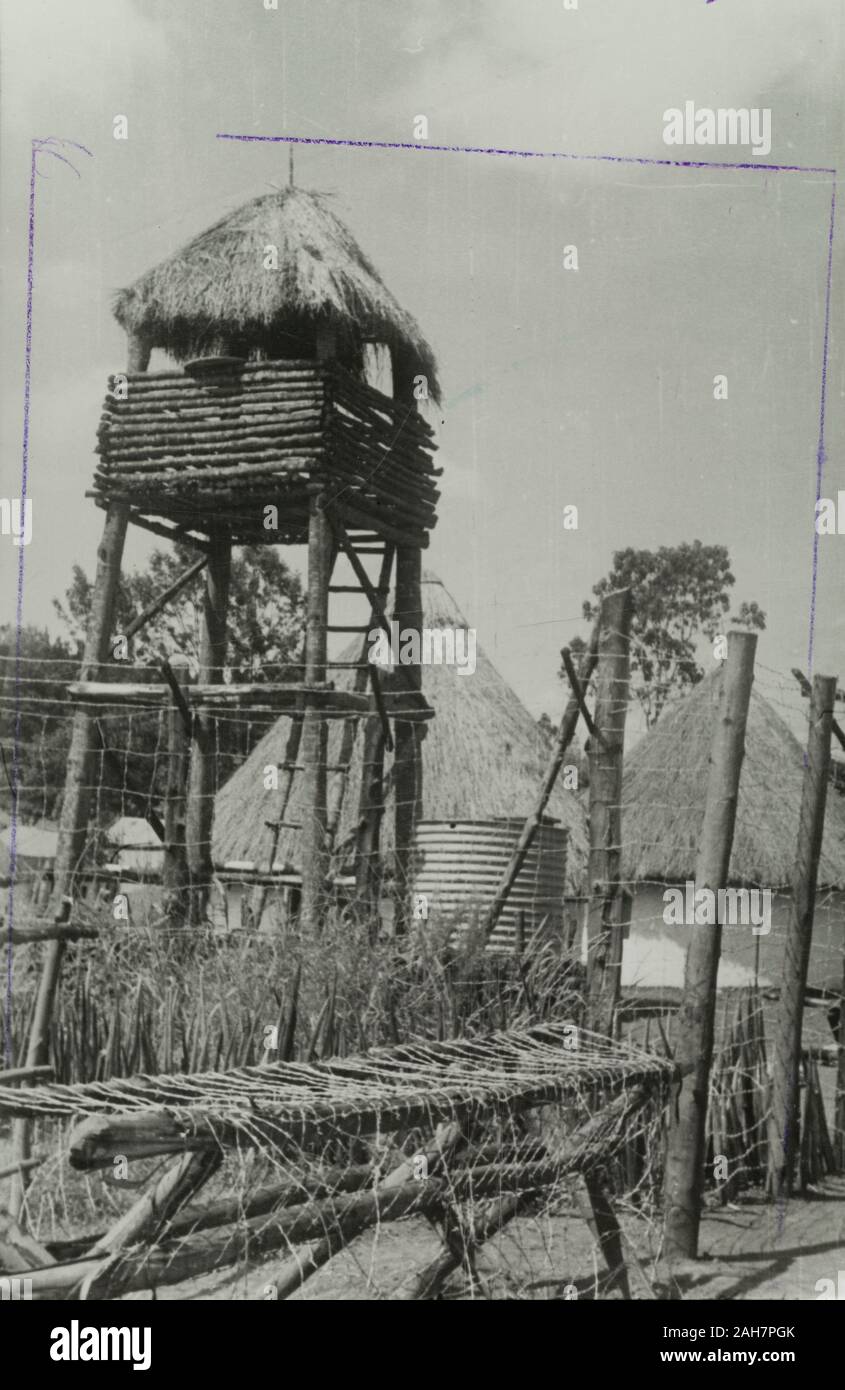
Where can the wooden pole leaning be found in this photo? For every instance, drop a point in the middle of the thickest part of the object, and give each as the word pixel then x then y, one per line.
pixel 76 805
pixel 371 792
pixel 607 906
pixel 685 1149
pixel 565 735
pixel 407 759
pixel 314 739
pixel 783 1116
pixel 607 902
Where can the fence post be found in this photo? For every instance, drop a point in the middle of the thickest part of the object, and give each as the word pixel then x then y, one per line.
pixel 314 738
pixel 606 909
pixel 202 773
pixel 684 1177
pixel 783 1116
pixel 76 804
pixel 407 758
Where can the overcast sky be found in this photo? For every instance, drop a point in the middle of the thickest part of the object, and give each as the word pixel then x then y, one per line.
pixel 593 388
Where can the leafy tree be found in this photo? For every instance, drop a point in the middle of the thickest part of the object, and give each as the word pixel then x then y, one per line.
pixel 264 618
pixel 680 596
pixel 34 724
pixel 750 615
pixel 264 643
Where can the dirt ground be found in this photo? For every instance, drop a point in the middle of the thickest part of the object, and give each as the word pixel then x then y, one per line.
pixel 749 1250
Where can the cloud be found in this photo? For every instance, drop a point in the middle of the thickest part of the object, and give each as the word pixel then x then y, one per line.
pixel 598 79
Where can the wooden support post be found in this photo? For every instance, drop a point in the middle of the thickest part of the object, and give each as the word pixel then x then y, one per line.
pixel 607 907
pixel 12 1075
pixel 783 1116
pixel 407 760
pixel 566 733
pixel 594 1141
pixel 314 732
pixel 10 1169
pixel 175 873
pixel 603 1222
pixel 164 598
pixel 73 827
pixel 50 931
pixel 138 353
pixel 370 814
pixel 76 805
pixel 806 690
pixel 684 1178
pixel 144 1222
pixel 605 916
pixel 306 1262
pixel 199 814
pixel 350 727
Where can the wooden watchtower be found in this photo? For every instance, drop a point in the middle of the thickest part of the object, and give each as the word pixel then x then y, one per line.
pixel 267 432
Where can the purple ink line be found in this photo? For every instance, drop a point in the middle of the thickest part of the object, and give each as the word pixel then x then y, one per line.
pixel 27 393
pixel 523 154
pixel 820 451
pixel 48 144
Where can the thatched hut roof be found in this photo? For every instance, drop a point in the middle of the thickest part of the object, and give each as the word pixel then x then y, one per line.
pixel 216 295
pixel 483 757
pixel 666 784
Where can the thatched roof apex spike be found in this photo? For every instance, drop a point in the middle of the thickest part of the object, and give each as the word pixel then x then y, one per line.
pixel 218 287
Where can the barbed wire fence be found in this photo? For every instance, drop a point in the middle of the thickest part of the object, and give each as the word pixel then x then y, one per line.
pixel 157 1028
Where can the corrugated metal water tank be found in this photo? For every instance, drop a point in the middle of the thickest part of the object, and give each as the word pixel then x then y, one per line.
pixel 459 865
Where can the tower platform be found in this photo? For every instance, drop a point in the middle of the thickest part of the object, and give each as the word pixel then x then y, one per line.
pixel 218 443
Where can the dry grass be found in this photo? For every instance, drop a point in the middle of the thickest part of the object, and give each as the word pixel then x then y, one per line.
pixel 152 1001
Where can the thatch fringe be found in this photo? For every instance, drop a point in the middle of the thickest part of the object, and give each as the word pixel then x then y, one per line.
pixel 215 295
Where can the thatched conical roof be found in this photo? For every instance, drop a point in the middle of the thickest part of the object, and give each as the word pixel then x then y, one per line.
pixel 483 757
pixel 666 784
pixel 216 294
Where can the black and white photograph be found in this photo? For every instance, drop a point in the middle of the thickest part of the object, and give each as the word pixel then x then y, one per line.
pixel 422 670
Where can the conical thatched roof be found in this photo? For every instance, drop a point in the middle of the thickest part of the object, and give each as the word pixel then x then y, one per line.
pixel 666 784
pixel 483 757
pixel 216 294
